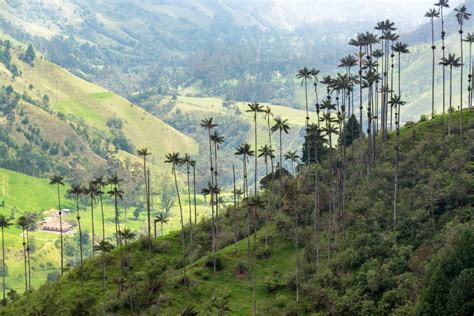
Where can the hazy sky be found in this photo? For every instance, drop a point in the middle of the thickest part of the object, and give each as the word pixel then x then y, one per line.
pixel 407 13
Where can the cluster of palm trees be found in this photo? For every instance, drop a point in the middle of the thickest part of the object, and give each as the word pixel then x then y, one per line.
pixel 26 222
pixel 451 61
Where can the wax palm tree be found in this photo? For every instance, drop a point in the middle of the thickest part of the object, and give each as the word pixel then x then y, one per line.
pixel 161 218
pixel 209 124
pixel 348 62
pixel 293 157
pixel 57 180
pixel 103 247
pixel 397 103
pixel 127 235
pixel 114 181
pixel 92 191
pixel 452 62
pixel 281 126
pixel 461 15
pixel 213 191
pixel 432 14
pixel 31 223
pixel 117 194
pixel 442 4
pixel 268 116
pixel 145 153
pixel 266 152
pixel 187 162
pixel 77 191
pixel 304 75
pixel 217 140
pixel 23 222
pixel 175 160
pixel 100 183
pixel 255 203
pixel 221 305
pixel 244 150
pixel 386 27
pixel 256 108
pixel 470 39
pixel 4 224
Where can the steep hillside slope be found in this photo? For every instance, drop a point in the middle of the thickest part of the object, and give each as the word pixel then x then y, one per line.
pixel 89 109
pixel 359 264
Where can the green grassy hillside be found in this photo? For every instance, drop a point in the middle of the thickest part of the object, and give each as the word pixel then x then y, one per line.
pixel 370 267
pixel 20 193
pixel 93 106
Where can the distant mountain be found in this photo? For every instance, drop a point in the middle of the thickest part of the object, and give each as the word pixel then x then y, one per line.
pixel 422 34
pixel 232 48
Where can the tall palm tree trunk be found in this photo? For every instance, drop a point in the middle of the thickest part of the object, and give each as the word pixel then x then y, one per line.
pixel 24 258
pixel 397 155
pixel 194 193
pixel 450 98
pixel 255 262
pixel 270 142
pixel 316 224
pixel 234 221
pixel 461 83
pixel 433 48
pixel 92 223
pixel 256 156
pixel 248 217
pixel 281 155
pixel 3 268
pixel 29 261
pixel 182 223
pixel 360 88
pixel 148 208
pixel 61 230
pixel 80 240
pixel 216 222
pixel 210 157
pixel 470 77
pixel 471 82
pixel 102 216
pixel 443 48
pixel 188 171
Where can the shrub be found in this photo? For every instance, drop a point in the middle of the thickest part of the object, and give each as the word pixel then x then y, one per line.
pixel 209 263
pixel 241 267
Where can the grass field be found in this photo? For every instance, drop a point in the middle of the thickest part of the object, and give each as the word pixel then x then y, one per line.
pixel 25 193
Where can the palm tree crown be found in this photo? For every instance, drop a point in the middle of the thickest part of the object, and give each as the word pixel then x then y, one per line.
pixel 57 179
pixel 280 125
pixel 401 48
pixel 432 13
pixel 451 61
pixel 462 15
pixel 244 149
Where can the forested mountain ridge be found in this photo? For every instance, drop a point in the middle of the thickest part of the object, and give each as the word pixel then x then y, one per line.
pixel 421 266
